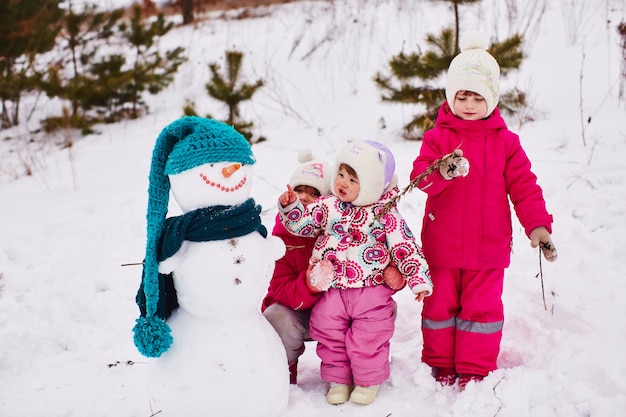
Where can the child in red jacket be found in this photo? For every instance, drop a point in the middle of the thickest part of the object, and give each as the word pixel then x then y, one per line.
pixel 466 229
pixel 287 304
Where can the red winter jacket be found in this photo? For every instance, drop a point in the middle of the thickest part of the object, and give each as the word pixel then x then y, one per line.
pixel 288 286
pixel 467 220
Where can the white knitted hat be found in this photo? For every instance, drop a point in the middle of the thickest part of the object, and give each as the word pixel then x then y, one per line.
pixel 311 172
pixel 374 165
pixel 474 69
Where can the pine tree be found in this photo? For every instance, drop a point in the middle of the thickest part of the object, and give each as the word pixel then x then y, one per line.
pixel 71 77
pixel 455 7
pixel 227 89
pixel 151 70
pixel 106 87
pixel 412 72
pixel 423 66
pixel 27 28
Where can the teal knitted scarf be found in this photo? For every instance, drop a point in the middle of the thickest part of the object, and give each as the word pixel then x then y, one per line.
pixel 210 223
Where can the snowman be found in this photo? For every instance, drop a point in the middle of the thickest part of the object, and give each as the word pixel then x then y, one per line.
pixel 212 351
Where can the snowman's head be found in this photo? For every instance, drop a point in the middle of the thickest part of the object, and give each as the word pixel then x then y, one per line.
pixel 196 146
pixel 220 183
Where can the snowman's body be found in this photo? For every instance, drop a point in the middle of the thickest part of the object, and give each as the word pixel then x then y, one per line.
pixel 226 359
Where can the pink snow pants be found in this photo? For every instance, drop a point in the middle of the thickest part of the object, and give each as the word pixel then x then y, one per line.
pixel 462 320
pixel 353 327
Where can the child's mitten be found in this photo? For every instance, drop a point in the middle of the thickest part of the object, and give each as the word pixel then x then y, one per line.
pixel 540 236
pixel 454 165
pixel 319 275
pixel 393 278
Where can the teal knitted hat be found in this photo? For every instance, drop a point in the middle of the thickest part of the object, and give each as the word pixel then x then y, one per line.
pixel 182 145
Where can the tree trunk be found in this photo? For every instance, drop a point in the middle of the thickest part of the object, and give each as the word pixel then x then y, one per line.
pixel 186 7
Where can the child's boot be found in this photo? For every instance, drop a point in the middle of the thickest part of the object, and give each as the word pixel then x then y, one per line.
pixel 364 395
pixel 293 373
pixel 293 368
pixel 338 393
pixel 465 379
pixel 445 376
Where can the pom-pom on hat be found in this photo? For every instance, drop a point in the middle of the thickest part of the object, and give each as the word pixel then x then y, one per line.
pixel 374 165
pixel 311 172
pixel 474 69
pixel 182 145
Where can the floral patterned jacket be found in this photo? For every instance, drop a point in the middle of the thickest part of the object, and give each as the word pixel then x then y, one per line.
pixel 357 244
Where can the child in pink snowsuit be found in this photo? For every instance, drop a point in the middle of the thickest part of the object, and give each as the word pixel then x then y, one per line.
pixel 466 229
pixel 353 320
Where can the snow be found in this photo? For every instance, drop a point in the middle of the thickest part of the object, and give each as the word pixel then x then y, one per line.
pixel 67 304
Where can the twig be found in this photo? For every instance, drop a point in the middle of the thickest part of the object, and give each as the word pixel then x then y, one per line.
pixel 127 363
pixel 152 412
pixel 414 183
pixel 133 264
pixel 495 394
pixel 580 97
pixel 543 293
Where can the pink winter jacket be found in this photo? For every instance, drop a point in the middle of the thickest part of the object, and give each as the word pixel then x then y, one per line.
pixel 467 220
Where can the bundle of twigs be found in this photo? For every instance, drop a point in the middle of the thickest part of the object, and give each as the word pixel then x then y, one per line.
pixel 414 183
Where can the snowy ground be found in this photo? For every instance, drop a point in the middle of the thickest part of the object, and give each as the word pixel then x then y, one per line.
pixel 67 305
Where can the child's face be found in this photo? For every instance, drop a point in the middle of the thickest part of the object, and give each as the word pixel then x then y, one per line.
pixel 347 186
pixel 307 194
pixel 470 106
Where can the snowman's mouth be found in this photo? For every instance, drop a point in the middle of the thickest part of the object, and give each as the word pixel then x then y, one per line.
pixel 222 187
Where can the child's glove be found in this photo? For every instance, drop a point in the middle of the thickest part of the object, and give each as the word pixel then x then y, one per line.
pixel 393 278
pixel 454 165
pixel 540 236
pixel 319 275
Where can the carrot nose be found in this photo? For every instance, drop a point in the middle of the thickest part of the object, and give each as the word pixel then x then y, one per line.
pixel 230 170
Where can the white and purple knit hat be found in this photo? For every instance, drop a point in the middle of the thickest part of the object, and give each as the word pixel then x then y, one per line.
pixel 374 165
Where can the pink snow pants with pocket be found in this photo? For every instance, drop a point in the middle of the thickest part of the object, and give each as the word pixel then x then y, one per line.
pixel 353 327
pixel 462 320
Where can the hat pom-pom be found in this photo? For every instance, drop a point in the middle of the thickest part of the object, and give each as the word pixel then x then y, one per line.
pixel 474 40
pixel 305 155
pixel 152 336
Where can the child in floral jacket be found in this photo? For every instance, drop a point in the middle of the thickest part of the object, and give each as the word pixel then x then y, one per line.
pixel 359 236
